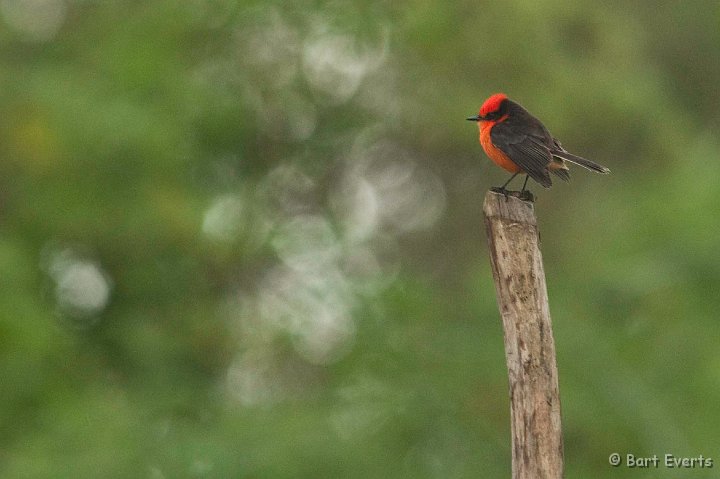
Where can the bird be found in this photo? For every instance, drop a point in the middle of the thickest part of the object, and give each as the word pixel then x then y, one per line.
pixel 518 142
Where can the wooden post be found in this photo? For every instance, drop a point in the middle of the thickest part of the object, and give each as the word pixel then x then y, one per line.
pixel 513 239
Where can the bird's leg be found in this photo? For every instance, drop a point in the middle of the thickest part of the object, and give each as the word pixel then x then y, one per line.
pixel 526 195
pixel 502 189
pixel 508 181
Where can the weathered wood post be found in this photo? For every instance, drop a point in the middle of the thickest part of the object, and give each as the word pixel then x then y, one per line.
pixel 513 239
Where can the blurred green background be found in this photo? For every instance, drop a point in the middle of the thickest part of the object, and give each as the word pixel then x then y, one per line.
pixel 245 239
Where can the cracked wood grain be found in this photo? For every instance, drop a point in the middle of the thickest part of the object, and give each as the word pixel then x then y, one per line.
pixel 513 239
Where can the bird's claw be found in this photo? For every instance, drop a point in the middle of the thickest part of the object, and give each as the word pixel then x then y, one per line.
pixel 524 195
pixel 501 190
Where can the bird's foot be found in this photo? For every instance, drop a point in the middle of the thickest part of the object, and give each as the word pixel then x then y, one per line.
pixel 501 190
pixel 524 195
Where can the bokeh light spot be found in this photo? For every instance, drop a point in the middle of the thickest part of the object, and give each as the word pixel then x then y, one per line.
pixel 335 64
pixel 306 242
pixel 224 219
pixel 82 287
pixel 38 20
pixel 313 307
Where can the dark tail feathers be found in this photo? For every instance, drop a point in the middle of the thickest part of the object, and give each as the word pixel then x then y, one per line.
pixel 562 173
pixel 585 163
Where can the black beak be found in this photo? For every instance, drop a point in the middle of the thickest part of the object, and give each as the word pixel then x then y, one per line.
pixel 474 118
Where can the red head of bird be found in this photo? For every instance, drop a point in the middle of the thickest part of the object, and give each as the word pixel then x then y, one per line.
pixel 492 104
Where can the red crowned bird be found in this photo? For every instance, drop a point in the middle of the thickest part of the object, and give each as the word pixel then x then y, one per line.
pixel 516 141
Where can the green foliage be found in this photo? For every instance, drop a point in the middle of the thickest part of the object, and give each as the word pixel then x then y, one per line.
pixel 245 239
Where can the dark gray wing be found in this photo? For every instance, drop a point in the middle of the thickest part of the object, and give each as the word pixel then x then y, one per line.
pixel 526 150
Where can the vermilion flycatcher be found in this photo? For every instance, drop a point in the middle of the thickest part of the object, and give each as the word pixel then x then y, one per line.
pixel 517 141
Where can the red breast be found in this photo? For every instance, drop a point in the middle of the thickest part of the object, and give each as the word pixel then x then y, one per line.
pixel 495 154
